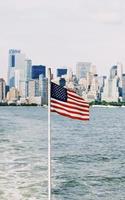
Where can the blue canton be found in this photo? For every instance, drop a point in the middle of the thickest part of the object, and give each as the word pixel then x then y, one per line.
pixel 58 92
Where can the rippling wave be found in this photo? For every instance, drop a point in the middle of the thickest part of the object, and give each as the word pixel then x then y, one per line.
pixel 87 157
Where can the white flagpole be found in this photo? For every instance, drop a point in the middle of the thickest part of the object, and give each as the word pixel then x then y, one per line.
pixel 49 135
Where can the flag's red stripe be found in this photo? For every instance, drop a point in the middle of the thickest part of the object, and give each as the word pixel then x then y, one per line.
pixel 72 112
pixel 77 100
pixel 70 106
pixel 76 96
pixel 66 115
pixel 77 104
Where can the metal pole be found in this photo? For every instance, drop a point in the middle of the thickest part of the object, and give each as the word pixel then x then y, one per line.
pixel 49 135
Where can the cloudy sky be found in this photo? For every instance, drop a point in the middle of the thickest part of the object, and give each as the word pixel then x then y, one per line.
pixel 63 32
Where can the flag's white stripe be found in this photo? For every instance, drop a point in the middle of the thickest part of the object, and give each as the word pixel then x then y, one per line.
pixel 74 95
pixel 70 114
pixel 68 104
pixel 80 104
pixel 77 100
pixel 69 109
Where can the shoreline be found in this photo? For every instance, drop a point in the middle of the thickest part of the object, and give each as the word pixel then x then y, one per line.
pixel 108 106
pixel 44 106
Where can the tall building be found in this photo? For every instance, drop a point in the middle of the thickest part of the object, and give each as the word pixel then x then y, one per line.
pixel 23 89
pixel 2 90
pixel 110 92
pixel 37 70
pixel 33 88
pixel 23 83
pixel 6 90
pixel 62 82
pixel 69 76
pixel 28 69
pixel 12 95
pixel 93 69
pixel 101 84
pixel 82 68
pixel 117 71
pixel 119 74
pixel 123 87
pixel 61 71
pixel 94 89
pixel 16 67
pixel 43 89
pixel 113 71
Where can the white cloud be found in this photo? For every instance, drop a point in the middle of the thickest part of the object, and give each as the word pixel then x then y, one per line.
pixel 107 12
pixel 57 32
pixel 108 17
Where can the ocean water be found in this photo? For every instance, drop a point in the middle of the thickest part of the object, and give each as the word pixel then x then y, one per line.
pixel 88 158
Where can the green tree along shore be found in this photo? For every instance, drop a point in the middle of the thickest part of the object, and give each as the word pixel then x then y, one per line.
pixel 104 103
pixel 14 104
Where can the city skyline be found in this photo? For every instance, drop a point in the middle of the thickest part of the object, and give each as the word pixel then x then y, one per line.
pixel 27 83
pixel 64 33
pixel 73 67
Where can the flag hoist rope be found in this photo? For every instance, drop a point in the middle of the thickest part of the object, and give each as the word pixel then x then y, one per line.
pixel 49 135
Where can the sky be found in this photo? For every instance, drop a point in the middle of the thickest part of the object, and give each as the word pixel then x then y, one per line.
pixel 63 32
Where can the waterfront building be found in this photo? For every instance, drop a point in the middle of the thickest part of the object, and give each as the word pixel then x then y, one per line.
pixel 17 78
pixel 119 74
pixel 93 69
pixel 72 83
pixel 83 84
pixel 62 82
pixel 37 70
pixel 19 71
pixel 113 71
pixel 69 76
pixel 2 90
pixel 33 88
pixel 82 68
pixel 61 71
pixel 16 63
pixel 23 89
pixel 28 69
pixel 117 71
pixel 6 90
pixel 43 89
pixel 23 82
pixel 110 92
pixel 101 82
pixel 123 87
pixel 12 95
pixel 93 90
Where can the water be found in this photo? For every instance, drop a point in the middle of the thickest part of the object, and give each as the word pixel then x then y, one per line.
pixel 88 158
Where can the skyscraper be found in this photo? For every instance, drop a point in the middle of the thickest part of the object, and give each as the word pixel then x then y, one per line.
pixel 16 67
pixel 33 88
pixel 117 71
pixel 94 89
pixel 38 70
pixel 82 68
pixel 113 71
pixel 23 84
pixel 28 69
pixel 123 87
pixel 61 71
pixel 2 89
pixel 43 89
pixel 110 92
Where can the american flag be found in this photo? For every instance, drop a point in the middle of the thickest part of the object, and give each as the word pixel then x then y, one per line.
pixel 68 103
